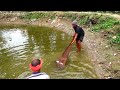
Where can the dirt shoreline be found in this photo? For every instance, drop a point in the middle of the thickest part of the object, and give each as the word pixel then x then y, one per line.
pixel 92 41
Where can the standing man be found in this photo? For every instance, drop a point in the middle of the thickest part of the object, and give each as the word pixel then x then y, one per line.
pixel 36 66
pixel 78 36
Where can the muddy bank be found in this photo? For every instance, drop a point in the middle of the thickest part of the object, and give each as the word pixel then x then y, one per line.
pixel 92 42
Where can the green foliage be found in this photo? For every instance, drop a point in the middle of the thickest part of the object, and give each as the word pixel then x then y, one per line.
pixel 102 22
pixel 114 36
pixel 105 23
pixel 70 16
pixel 37 16
pixel 116 40
pixel 84 20
pixel 31 16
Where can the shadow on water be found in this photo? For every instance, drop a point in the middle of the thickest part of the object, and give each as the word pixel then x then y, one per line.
pixel 20 44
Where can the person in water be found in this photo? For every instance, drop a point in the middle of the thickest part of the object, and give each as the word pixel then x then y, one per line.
pixel 36 66
pixel 78 35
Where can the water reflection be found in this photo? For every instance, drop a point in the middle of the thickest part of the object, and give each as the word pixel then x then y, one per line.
pixel 18 46
pixel 52 39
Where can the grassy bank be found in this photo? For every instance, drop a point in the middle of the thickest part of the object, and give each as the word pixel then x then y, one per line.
pixel 103 27
pixel 96 22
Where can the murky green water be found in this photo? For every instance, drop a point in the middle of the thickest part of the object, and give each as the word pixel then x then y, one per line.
pixel 20 44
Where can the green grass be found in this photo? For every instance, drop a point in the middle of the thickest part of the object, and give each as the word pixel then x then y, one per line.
pixel 114 32
pixel 105 23
pixel 30 15
pixel 102 22
pixel 71 16
pixel 116 40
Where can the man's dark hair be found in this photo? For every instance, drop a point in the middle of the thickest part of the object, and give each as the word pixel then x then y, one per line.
pixel 35 62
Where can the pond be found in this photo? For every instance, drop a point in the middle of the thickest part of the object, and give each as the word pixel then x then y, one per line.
pixel 20 44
